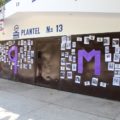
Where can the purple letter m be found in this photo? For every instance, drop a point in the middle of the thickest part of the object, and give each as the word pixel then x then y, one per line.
pixel 88 57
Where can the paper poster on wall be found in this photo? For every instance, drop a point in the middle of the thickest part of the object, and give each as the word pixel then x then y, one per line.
pixel 62 46
pixel 108 57
pixel 111 66
pixel 86 40
pixel 19 43
pixel 70 58
pixel 9 63
pixel 116 81
pixel 64 39
pixel 69 75
pixel 28 42
pixel 28 59
pixel 68 66
pixel 68 43
pixel 22 56
pixel 10 43
pixel 117 50
pixel 13 42
pixel 28 53
pixel 79 39
pixel 29 48
pixel 91 37
pixel 66 54
pixel 62 74
pixel 74 67
pixel 31 61
pixel 62 54
pixel 7 47
pixel 106 40
pixel 11 67
pixel 103 84
pixel 32 53
pixel 73 51
pixel 94 81
pixel 87 83
pixel 25 42
pixel 117 66
pixel 115 42
pixel 116 57
pixel 77 79
pixel 13 63
pixel 26 66
pixel 30 66
pixel 21 60
pixel 63 61
pixel 107 49
pixel 25 60
pixel 73 44
pixel 74 59
pixel 62 68
pixel 22 42
pixel 117 73
pixel 25 53
pixel 21 49
pixel 31 42
pixel 21 66
pixel 7 60
pixel 25 48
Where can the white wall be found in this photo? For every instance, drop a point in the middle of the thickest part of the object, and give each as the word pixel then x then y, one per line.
pixel 73 24
pixel 105 6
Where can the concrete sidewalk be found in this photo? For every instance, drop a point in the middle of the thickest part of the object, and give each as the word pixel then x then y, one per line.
pixel 19 101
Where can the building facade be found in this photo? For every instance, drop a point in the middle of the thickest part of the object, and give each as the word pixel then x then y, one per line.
pixel 74 49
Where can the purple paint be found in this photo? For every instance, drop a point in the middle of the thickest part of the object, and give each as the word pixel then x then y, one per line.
pixel 15 58
pixel 88 56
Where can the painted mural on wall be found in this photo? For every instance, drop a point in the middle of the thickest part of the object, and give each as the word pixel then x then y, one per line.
pixel 91 60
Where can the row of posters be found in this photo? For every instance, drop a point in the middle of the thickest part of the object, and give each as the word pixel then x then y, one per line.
pixel 69 59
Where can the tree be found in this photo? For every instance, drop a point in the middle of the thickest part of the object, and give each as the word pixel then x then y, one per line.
pixel 2 2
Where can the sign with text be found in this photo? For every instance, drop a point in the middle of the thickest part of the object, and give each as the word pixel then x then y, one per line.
pixel 33 31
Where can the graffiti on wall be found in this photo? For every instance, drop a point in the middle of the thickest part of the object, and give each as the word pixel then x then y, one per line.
pixel 88 56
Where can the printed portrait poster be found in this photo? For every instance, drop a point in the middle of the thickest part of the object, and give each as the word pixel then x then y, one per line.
pixel 69 74
pixel 77 79
pixel 68 66
pixel 62 74
pixel 68 43
pixel 111 66
pixel 79 39
pixel 106 40
pixel 108 57
pixel 87 83
pixel 103 84
pixel 115 42
pixel 86 40
pixel 116 81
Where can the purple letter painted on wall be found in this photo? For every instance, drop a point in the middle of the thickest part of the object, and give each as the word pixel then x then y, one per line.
pixel 88 56
pixel 15 58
